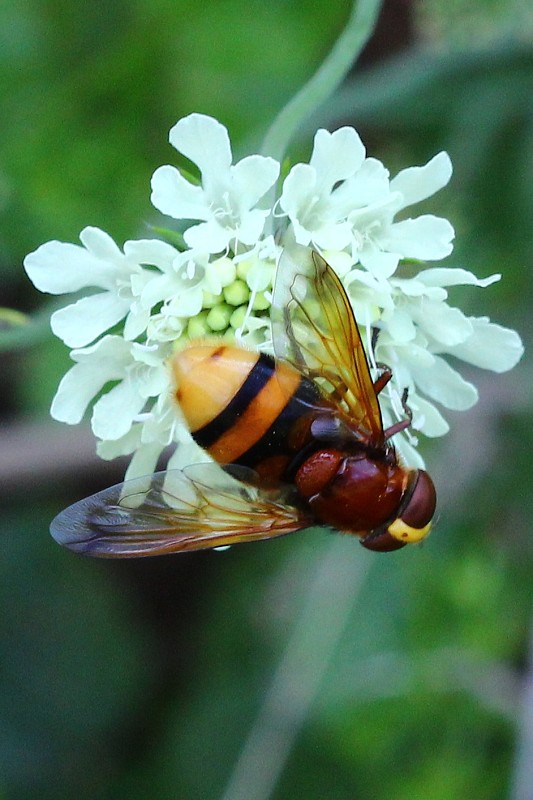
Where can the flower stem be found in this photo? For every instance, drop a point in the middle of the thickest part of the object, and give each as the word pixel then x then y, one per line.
pixel 326 79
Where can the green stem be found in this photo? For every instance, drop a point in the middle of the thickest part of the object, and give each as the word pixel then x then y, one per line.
pixel 325 80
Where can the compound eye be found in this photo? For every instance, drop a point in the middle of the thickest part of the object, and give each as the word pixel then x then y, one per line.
pixel 421 506
pixel 414 522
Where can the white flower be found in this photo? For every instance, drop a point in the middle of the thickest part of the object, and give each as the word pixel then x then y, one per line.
pixel 61 268
pixel 342 200
pixel 426 238
pixel 417 329
pixel 154 297
pixel 138 370
pixel 315 206
pixel 228 197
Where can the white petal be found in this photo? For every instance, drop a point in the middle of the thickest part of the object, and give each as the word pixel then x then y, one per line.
pixel 127 444
pixel 176 197
pixel 74 393
pixel 490 346
pixel 102 362
pixel 377 215
pixel 100 244
pixel 369 184
pixel 112 351
pixel 399 325
pixel 113 414
pixel 333 236
pixel 446 386
pixel 417 183
pixel 58 268
pixel 412 287
pixel 187 303
pixel 426 418
pixel 297 188
pixel 144 461
pixel 152 252
pixel 186 453
pixel 159 288
pixel 138 280
pixel 149 355
pixel 381 264
pixel 301 234
pixel 82 322
pixel 210 237
pixel 426 237
pixel 374 283
pixel 446 324
pixel 164 423
pixel 251 226
pixel 252 178
pixel 409 356
pixel 445 276
pixel 205 142
pixel 153 382
pixel 336 156
pixel 136 322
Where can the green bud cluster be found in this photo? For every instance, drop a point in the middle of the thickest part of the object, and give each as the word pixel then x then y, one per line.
pixel 222 314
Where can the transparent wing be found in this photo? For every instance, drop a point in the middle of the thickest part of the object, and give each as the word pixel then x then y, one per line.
pixel 192 509
pixel 314 328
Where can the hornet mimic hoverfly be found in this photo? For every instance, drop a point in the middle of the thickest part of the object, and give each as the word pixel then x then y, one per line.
pixel 297 441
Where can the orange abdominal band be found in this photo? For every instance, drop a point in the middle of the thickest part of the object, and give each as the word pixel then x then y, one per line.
pixel 230 397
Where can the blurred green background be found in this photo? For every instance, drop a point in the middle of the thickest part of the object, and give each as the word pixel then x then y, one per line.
pixel 303 667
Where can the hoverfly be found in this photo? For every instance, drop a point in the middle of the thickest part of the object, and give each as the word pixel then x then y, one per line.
pixel 297 441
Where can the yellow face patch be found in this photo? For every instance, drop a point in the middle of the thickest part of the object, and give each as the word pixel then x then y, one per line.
pixel 405 533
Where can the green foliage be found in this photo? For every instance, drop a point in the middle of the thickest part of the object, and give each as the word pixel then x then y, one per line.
pixel 73 661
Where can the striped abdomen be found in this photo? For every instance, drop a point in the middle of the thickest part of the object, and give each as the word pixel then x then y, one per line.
pixel 244 407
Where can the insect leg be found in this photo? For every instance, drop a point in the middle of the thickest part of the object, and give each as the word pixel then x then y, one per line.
pixel 403 423
pixel 386 372
pixel 383 379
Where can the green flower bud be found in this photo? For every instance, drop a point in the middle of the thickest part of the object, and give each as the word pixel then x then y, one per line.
pixel 229 336
pixel 243 268
pixel 225 269
pixel 237 293
pixel 210 300
pixel 219 316
pixel 260 302
pixel 237 318
pixel 197 326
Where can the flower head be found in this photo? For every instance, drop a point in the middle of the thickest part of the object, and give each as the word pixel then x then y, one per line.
pixel 227 200
pixel 139 304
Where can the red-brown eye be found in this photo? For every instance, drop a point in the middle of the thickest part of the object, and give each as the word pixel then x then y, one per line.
pixel 420 508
